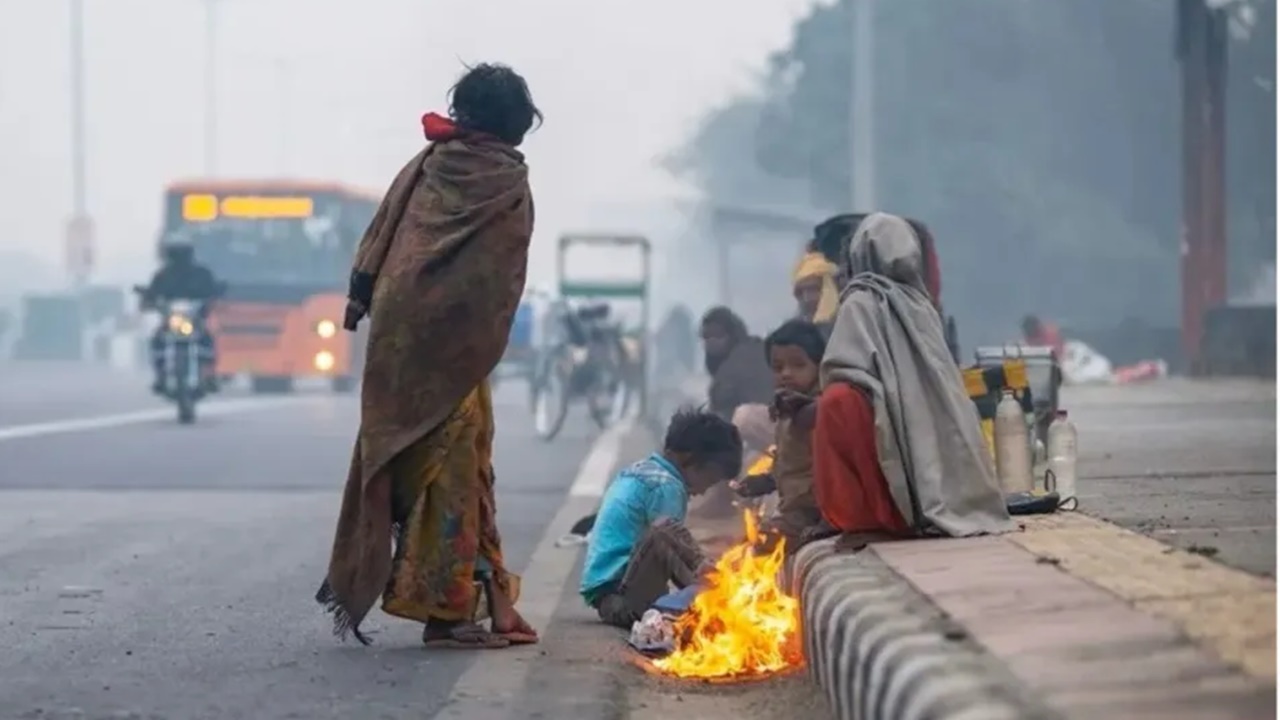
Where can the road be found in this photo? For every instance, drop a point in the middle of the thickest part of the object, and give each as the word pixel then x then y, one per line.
pixel 40 392
pixel 1190 463
pixel 149 570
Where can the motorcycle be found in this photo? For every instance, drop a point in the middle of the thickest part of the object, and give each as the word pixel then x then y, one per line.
pixel 588 363
pixel 184 379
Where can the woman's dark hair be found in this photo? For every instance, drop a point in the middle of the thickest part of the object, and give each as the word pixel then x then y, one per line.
pixel 831 236
pixel 494 99
pixel 798 333
pixel 705 438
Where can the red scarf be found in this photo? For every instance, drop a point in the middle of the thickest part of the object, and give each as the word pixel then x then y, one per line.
pixel 439 128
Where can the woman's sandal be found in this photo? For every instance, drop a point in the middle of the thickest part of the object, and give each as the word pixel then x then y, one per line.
pixel 462 636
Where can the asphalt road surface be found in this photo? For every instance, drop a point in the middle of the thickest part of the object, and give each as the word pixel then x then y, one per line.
pixel 150 570
pixel 38 392
pixel 1189 463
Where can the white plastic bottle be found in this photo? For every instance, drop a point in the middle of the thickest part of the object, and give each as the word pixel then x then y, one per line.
pixel 1063 453
pixel 1013 446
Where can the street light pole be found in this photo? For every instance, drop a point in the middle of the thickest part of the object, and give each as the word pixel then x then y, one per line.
pixel 79 229
pixel 284 92
pixel 210 88
pixel 862 107
pixel 79 201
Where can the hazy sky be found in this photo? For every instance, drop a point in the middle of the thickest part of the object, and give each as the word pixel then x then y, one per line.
pixel 333 89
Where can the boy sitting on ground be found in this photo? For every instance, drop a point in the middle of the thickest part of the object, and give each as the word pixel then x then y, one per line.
pixel 795 351
pixel 639 545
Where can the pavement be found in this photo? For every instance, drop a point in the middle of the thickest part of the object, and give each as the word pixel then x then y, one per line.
pixel 152 570
pixel 1156 601
pixel 1192 464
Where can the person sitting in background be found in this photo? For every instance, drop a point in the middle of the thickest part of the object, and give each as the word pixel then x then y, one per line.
pixel 898 450
pixel 1043 334
pixel 795 350
pixel 639 544
pixel 814 287
pixel 735 361
pixel 740 375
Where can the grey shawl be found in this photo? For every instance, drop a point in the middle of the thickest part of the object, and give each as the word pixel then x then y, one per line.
pixel 888 340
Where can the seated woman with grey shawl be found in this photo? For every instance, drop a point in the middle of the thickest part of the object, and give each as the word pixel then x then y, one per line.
pixel 898 449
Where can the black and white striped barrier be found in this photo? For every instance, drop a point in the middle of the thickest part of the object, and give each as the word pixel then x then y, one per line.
pixel 881 651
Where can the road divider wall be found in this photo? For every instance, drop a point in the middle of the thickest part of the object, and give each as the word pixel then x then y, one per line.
pixel 879 650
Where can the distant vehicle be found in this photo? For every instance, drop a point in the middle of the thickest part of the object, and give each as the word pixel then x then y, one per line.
pixel 527 339
pixel 588 355
pixel 586 360
pixel 185 377
pixel 285 249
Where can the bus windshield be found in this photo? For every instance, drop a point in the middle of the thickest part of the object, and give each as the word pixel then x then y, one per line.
pixel 257 244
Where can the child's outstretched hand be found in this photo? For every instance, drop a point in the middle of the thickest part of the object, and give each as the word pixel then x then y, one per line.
pixel 786 403
pixel 753 486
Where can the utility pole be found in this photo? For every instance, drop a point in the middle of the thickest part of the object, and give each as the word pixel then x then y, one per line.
pixel 210 87
pixel 79 229
pixel 1202 54
pixel 284 93
pixel 862 107
pixel 78 192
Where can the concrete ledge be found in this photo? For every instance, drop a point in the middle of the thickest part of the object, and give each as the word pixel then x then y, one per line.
pixel 1071 617
pixel 880 650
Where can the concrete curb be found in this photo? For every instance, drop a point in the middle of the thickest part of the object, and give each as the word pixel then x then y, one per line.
pixel 880 650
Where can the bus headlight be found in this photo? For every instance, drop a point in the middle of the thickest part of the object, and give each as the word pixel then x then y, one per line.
pixel 323 361
pixel 326 329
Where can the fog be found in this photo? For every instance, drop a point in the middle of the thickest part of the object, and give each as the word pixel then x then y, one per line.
pixel 1055 149
pixel 327 89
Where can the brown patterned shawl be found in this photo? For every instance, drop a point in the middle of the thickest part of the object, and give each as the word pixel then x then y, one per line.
pixel 446 255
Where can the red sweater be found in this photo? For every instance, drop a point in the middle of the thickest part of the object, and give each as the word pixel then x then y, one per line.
pixel 851 490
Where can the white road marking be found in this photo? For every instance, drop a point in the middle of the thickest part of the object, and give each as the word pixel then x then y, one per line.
pixel 492 687
pixel 102 422
pixel 594 475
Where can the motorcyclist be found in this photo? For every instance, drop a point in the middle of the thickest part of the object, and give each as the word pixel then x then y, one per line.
pixel 180 277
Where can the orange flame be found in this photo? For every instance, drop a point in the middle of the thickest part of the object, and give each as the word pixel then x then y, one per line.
pixel 743 623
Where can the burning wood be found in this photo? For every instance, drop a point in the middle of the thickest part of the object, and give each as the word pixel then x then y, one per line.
pixel 743 624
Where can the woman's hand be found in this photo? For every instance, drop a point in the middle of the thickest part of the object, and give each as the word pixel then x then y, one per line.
pixel 354 313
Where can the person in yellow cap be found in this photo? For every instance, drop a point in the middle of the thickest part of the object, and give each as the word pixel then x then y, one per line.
pixel 814 287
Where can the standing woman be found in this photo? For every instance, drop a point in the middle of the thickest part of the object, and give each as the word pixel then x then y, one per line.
pixel 439 273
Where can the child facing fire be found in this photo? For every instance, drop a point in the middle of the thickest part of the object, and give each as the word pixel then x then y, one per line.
pixel 639 544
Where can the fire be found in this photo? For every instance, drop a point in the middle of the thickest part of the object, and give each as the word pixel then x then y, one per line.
pixel 743 624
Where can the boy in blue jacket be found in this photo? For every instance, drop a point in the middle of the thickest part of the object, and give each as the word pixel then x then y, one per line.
pixel 639 544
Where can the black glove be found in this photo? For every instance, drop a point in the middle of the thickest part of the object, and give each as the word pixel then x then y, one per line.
pixel 359 299
pixel 351 318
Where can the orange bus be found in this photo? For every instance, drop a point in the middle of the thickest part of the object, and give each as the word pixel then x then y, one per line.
pixel 284 248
